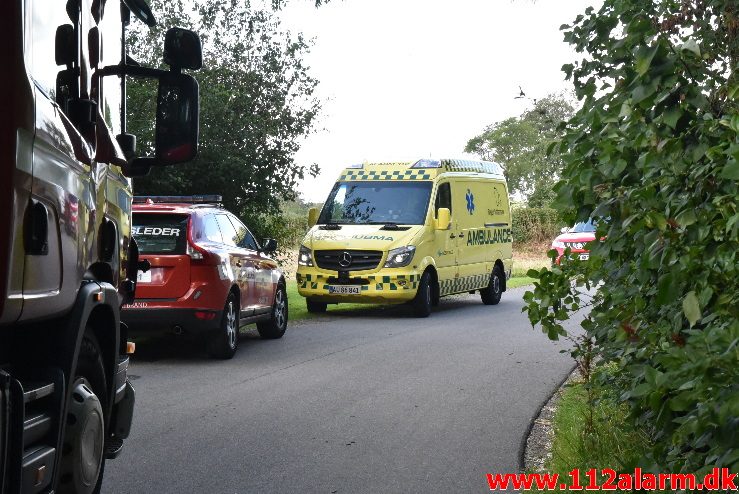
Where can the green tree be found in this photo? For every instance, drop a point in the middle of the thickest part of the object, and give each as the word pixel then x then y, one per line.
pixel 520 144
pixel 257 104
pixel 655 148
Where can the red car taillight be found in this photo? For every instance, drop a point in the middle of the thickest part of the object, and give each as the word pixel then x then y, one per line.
pixel 199 255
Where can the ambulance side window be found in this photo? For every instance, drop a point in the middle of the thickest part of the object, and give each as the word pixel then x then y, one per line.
pixel 443 198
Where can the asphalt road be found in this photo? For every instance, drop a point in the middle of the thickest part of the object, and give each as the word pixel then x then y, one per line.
pixel 373 401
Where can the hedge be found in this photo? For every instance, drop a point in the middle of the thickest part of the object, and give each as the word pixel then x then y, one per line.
pixel 535 224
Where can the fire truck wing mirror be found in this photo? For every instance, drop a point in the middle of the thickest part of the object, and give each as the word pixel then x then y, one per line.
pixel 176 135
pixel 182 49
pixel 141 10
pixel 127 142
pixel 138 167
pixel 65 46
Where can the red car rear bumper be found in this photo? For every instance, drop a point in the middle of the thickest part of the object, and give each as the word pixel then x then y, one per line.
pixel 199 310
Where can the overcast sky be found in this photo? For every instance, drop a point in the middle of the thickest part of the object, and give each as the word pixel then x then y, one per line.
pixel 404 79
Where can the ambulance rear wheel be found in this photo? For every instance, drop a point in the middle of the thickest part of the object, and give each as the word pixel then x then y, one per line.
pixel 422 302
pixel 491 294
pixel 315 307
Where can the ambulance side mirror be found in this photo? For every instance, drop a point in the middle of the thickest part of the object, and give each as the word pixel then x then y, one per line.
pixel 444 218
pixel 312 217
pixel 564 230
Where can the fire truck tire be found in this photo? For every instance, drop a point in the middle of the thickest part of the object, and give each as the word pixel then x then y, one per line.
pixel 83 449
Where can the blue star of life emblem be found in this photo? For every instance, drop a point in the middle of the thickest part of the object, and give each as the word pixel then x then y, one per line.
pixel 470 201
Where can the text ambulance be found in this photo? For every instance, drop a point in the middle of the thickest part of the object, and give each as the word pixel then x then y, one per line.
pixel 409 232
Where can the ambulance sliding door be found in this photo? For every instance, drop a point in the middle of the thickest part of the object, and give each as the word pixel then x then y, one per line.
pixel 482 231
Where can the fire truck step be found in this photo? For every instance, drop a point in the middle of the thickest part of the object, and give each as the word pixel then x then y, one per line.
pixel 35 427
pixel 36 390
pixel 113 447
pixel 36 467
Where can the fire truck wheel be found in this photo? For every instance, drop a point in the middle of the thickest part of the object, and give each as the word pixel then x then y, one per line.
pixel 225 340
pixel 83 449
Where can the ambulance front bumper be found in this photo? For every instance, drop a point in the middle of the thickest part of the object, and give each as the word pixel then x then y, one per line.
pixel 385 286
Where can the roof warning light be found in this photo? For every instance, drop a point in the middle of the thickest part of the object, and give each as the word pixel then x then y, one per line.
pixel 427 164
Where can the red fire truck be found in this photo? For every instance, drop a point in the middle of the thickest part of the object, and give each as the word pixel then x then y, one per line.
pixel 67 260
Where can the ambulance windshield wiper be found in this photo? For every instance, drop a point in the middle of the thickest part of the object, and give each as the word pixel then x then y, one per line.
pixel 389 225
pixel 330 226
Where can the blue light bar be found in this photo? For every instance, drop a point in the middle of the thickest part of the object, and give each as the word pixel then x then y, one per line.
pixel 200 199
pixel 427 164
pixel 358 166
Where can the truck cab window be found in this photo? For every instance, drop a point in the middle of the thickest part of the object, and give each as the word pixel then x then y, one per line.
pixel 443 198
pixel 110 54
pixel 47 17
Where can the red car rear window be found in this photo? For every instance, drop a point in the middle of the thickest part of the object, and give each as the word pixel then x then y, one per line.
pixel 160 233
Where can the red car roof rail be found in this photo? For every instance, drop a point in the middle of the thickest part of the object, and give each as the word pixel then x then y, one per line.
pixel 198 199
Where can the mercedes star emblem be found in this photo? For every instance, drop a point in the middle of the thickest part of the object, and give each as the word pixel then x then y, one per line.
pixel 345 260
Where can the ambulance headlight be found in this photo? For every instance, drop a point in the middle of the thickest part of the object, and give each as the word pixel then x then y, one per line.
pixel 558 244
pixel 305 256
pixel 402 256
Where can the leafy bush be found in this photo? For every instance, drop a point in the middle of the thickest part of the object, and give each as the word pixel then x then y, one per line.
pixel 656 147
pixel 535 224
pixel 288 227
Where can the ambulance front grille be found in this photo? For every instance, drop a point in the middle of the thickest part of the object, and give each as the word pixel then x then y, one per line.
pixel 348 260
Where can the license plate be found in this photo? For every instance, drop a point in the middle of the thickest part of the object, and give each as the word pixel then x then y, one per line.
pixel 345 290
pixel 584 257
pixel 143 277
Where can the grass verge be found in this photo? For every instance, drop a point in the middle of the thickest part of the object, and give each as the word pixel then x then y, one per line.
pixel 592 430
pixel 299 311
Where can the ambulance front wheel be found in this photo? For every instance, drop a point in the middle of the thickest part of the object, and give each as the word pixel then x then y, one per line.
pixel 315 307
pixel 422 302
pixel 491 294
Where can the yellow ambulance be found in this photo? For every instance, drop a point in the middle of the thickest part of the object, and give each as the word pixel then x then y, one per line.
pixel 409 232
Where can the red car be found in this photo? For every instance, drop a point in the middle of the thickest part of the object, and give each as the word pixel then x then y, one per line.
pixel 576 238
pixel 208 274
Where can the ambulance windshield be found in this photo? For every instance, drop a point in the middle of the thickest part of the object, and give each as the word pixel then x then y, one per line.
pixel 377 202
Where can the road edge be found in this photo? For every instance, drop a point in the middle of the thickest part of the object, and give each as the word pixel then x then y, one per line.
pixel 549 401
